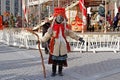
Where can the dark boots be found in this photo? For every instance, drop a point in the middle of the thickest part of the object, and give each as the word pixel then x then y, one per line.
pixel 60 70
pixel 54 70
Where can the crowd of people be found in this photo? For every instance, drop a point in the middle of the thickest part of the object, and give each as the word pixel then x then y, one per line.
pixel 112 24
pixel 96 23
pixel 12 21
pixel 15 21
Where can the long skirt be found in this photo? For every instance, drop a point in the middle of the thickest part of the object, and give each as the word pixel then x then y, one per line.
pixel 53 59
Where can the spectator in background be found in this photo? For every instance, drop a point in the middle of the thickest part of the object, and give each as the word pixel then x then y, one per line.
pixel 11 21
pixel 44 30
pixel 6 24
pixel 109 18
pixel 19 22
pixel 115 21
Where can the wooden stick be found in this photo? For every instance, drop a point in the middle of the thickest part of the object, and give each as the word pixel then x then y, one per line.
pixel 43 65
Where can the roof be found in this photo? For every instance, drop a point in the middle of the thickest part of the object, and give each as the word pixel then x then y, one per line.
pixel 89 3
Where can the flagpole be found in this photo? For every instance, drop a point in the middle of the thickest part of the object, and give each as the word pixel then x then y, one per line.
pixel 22 16
pixel 53 6
pixel 27 14
pixel 105 19
pixel 39 11
pixel 24 8
pixel 83 18
pixel 58 3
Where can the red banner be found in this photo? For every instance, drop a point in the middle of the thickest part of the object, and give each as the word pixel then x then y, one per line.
pixel 83 10
pixel 25 10
pixel 82 7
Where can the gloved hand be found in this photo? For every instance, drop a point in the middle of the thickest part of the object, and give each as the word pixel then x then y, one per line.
pixel 81 40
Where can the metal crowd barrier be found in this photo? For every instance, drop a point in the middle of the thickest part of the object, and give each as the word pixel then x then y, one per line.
pixel 93 43
pixel 104 43
pixel 20 39
pixel 77 45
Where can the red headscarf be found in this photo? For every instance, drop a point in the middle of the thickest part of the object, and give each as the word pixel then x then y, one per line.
pixel 59 11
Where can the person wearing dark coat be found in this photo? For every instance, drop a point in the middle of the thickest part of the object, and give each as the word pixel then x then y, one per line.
pixel 115 21
pixel 44 30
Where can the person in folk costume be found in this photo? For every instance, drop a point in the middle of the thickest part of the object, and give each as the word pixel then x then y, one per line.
pixel 59 47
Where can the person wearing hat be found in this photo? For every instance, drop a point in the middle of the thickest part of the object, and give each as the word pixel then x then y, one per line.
pixel 59 47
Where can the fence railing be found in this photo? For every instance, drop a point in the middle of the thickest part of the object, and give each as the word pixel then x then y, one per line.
pixel 93 43
pixel 1 35
pixel 103 43
pixel 19 38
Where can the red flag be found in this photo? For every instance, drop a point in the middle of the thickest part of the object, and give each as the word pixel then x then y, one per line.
pixel 83 10
pixel 25 10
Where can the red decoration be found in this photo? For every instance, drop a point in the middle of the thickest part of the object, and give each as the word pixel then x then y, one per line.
pixel 59 11
pixel 77 24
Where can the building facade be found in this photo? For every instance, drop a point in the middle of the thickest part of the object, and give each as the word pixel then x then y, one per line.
pixel 11 6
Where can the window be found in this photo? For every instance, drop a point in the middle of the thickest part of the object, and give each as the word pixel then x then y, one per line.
pixel 16 7
pixel 7 5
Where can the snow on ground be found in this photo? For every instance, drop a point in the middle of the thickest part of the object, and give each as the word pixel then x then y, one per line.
pixel 24 64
